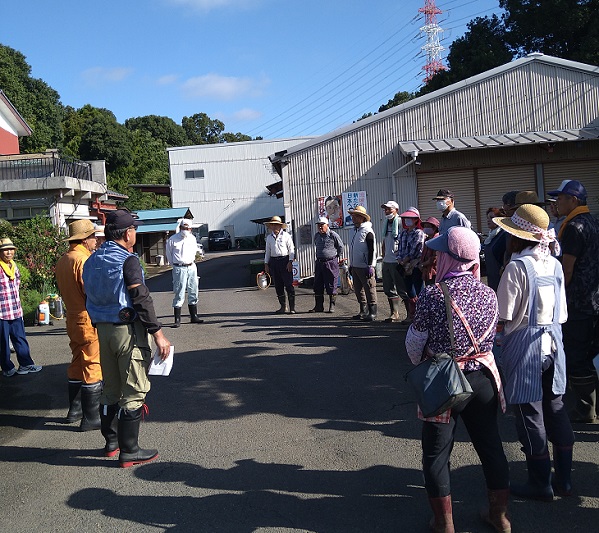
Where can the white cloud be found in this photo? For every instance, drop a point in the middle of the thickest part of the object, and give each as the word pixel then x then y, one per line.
pixel 97 76
pixel 222 87
pixel 168 79
pixel 246 114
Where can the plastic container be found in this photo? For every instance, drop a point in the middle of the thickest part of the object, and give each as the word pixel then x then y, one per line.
pixel 56 307
pixel 43 313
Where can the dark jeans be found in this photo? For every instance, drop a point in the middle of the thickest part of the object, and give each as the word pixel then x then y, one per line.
pixel 326 276
pixel 283 279
pixel 545 420
pixel 414 283
pixel 579 344
pixel 13 330
pixel 479 414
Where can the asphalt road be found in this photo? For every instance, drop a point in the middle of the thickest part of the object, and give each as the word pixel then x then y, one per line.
pixel 267 423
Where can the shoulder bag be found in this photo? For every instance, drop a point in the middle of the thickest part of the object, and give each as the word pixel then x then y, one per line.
pixel 438 381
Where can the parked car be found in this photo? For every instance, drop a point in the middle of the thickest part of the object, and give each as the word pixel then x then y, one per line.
pixel 219 240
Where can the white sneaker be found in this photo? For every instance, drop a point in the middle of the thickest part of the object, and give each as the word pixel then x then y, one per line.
pixel 9 373
pixel 28 369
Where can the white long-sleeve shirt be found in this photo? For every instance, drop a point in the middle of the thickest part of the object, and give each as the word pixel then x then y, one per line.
pixel 181 249
pixel 279 246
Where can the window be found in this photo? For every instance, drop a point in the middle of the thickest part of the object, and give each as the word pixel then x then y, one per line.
pixel 194 174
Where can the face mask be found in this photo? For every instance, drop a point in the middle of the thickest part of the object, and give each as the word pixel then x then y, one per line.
pixel 441 205
pixel 390 216
pixel 408 222
pixel 185 232
pixel 429 231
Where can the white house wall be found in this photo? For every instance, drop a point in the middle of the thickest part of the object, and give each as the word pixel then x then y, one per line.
pixel 233 190
pixel 531 94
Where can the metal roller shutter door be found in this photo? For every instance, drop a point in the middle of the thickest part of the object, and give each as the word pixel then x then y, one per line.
pixel 493 183
pixel 587 172
pixel 462 185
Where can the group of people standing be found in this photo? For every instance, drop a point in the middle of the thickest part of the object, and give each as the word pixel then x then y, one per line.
pixel 548 309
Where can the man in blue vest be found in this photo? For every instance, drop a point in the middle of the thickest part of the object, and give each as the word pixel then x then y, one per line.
pixel 121 308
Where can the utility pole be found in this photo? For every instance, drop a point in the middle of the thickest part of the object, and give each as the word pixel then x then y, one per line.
pixel 432 48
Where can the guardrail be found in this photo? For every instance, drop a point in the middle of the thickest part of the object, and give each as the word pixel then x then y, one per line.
pixel 30 166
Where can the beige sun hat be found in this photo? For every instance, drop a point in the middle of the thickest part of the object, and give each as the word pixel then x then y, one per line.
pixel 81 229
pixel 6 244
pixel 275 221
pixel 529 222
pixel 359 210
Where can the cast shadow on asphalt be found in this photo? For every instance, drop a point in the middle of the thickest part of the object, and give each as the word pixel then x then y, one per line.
pixel 376 499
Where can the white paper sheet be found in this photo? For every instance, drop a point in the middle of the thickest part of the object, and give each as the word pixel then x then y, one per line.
pixel 158 367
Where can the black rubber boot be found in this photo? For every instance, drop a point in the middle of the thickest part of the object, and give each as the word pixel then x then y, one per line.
pixel 363 312
pixel 319 304
pixel 90 401
pixel 291 303
pixel 332 298
pixel 562 464
pixel 283 309
pixel 371 316
pixel 75 410
pixel 128 435
pixel 177 311
pixel 584 391
pixel 538 486
pixel 109 428
pixel 193 313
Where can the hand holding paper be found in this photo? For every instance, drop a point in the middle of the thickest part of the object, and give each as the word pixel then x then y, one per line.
pixel 160 367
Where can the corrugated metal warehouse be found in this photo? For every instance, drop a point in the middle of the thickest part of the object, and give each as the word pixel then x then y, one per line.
pixel 526 125
pixel 224 185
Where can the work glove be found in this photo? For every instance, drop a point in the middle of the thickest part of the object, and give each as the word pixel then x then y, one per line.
pixel 370 271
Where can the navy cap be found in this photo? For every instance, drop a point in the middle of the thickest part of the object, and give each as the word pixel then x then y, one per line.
pixel 571 187
pixel 121 219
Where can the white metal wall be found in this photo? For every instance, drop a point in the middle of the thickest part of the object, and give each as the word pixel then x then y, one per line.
pixel 232 192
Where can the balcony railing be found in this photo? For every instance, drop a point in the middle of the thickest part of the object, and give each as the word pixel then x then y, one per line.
pixel 28 166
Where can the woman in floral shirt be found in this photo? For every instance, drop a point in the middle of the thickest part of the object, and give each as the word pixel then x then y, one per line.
pixel 474 320
pixel 409 251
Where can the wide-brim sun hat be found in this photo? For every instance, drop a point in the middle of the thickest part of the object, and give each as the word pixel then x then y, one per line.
pixel 81 229
pixel 412 212
pixel 529 222
pixel 432 221
pixel 459 242
pixel 275 221
pixel 527 197
pixel 359 210
pixel 6 244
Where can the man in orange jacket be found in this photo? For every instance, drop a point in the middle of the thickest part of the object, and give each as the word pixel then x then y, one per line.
pixel 84 372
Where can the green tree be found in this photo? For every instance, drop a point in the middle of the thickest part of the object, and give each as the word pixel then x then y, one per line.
pixel 399 98
pixel 235 137
pixel 102 137
pixel 161 128
pixel 564 28
pixel 35 100
pixel 201 129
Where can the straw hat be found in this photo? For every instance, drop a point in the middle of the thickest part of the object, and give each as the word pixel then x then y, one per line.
pixel 528 222
pixel 275 221
pixel 81 229
pixel 527 197
pixel 360 210
pixel 6 244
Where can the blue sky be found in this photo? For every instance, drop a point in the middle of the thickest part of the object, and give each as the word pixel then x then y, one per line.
pixel 270 68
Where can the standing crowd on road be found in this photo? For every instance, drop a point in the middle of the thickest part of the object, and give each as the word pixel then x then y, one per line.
pixel 525 340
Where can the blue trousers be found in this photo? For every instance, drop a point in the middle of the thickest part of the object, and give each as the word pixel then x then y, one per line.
pixel 14 330
pixel 185 278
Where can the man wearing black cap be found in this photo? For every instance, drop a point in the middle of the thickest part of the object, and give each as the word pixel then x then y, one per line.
pixel 579 239
pixel 450 215
pixel 120 306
